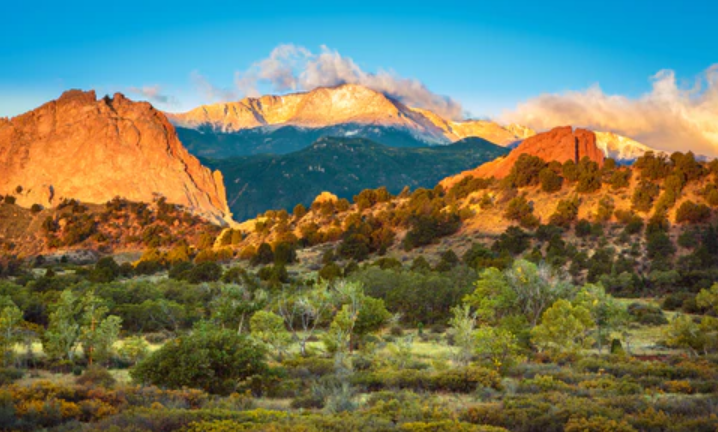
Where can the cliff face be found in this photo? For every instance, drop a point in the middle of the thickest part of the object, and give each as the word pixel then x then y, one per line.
pixel 559 144
pixel 93 150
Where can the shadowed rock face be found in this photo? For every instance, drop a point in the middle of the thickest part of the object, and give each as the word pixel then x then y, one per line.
pixel 94 150
pixel 559 144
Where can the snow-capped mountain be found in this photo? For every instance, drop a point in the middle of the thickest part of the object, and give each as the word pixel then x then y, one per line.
pixel 620 148
pixel 281 124
pixel 347 104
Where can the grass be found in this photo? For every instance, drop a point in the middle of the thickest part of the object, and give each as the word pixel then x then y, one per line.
pixel 35 376
pixel 644 340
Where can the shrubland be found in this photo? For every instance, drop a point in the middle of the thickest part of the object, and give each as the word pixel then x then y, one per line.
pixel 386 314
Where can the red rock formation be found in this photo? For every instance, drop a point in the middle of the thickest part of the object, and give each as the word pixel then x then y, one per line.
pixel 559 144
pixel 93 150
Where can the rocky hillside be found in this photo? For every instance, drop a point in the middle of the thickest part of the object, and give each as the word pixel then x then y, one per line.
pixel 93 150
pixel 342 166
pixel 80 229
pixel 560 144
pixel 611 201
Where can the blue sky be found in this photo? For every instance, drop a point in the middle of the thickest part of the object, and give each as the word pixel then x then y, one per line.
pixel 490 56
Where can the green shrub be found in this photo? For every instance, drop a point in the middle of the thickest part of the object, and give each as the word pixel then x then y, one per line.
pixel 308 401
pixel 96 376
pixel 285 253
pixel 652 166
pixel 589 179
pixel 583 228
pixel 264 255
pixel 478 256
pixel 309 367
pixel 456 380
pixel 644 196
pixel 330 272
pixel 566 212
pixel 9 375
pixel 214 360
pixel 520 210
pixel 525 171
pixel 204 272
pixel 620 179
pixel 427 229
pixel 646 314
pixel 690 212
pixel 514 241
pixel 597 424
pixel 550 181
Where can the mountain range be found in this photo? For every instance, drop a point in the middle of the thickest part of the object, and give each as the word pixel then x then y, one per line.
pixel 343 166
pixel 285 124
pixel 281 124
pixel 271 152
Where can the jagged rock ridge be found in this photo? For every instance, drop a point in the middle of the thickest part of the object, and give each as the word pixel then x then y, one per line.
pixel 93 150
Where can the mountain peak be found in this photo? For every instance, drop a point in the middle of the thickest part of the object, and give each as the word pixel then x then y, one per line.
pixel 323 106
pixel 346 103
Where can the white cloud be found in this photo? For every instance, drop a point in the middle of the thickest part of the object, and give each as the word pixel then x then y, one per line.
pixel 669 117
pixel 210 92
pixel 295 68
pixel 154 95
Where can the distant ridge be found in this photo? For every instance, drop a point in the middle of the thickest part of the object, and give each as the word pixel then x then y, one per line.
pixel 344 167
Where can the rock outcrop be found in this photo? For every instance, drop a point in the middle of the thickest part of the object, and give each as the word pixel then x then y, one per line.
pixel 559 144
pixel 93 150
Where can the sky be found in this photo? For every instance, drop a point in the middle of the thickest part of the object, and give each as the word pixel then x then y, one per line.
pixel 539 63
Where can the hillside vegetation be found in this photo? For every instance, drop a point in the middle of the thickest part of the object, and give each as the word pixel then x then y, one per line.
pixel 118 225
pixel 344 167
pixel 660 193
pixel 391 313
pixel 209 143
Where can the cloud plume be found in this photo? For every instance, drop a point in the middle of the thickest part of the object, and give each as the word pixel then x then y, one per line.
pixel 669 117
pixel 209 91
pixel 295 68
pixel 154 95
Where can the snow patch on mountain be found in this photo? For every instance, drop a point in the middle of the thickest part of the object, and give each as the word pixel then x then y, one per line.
pixel 620 148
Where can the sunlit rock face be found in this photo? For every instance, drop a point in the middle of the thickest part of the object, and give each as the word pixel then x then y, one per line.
pixel 559 144
pixel 94 150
